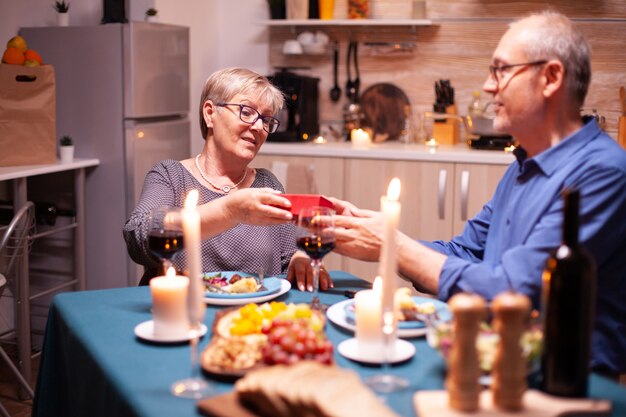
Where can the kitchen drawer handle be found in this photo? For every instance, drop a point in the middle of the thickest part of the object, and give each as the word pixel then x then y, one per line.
pixel 443 176
pixel 465 177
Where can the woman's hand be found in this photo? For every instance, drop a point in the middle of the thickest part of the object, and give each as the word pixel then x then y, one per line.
pixel 359 237
pixel 300 273
pixel 258 206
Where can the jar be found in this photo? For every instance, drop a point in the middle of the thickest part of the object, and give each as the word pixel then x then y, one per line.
pixel 358 9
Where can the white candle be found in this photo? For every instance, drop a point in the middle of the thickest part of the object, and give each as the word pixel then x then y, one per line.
pixel 432 145
pixel 390 209
pixel 169 304
pixel 360 138
pixel 368 314
pixel 191 234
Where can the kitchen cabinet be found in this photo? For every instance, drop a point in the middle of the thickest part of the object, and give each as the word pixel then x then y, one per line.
pixel 474 185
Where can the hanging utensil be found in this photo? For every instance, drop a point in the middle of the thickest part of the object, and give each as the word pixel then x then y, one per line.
pixel 350 86
pixel 335 92
pixel 622 96
pixel 621 129
pixel 357 80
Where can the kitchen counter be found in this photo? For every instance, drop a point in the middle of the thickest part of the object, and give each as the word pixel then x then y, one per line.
pixel 459 153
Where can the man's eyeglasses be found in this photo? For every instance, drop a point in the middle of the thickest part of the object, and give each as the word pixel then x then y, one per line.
pixel 250 115
pixel 497 72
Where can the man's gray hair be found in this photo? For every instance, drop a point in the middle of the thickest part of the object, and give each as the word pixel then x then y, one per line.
pixel 554 36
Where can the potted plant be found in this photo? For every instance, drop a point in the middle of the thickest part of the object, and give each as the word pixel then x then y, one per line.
pixel 277 9
pixel 66 149
pixel 63 15
pixel 152 15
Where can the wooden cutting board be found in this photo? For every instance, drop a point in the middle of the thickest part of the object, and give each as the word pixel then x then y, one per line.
pixel 225 405
pixel 537 404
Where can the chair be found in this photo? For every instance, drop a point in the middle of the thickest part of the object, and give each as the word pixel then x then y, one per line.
pixel 14 246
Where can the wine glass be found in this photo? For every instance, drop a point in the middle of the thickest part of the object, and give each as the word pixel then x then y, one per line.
pixel 165 234
pixel 315 235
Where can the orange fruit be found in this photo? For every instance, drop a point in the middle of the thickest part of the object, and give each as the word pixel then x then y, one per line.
pixel 17 42
pixel 32 55
pixel 13 56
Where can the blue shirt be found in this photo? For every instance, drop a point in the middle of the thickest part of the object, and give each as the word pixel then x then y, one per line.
pixel 507 244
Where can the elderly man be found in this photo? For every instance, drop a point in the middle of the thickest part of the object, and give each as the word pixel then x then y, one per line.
pixel 539 78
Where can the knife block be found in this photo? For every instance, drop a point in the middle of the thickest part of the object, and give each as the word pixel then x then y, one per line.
pixel 447 132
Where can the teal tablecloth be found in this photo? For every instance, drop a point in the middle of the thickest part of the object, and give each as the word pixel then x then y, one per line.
pixel 93 365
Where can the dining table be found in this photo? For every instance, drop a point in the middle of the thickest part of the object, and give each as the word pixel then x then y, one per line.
pixel 93 364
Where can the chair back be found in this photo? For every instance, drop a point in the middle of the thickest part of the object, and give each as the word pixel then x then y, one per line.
pixel 15 240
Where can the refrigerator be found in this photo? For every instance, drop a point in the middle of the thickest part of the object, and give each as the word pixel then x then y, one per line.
pixel 123 96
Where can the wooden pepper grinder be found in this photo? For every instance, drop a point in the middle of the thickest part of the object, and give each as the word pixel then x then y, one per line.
pixel 463 371
pixel 509 370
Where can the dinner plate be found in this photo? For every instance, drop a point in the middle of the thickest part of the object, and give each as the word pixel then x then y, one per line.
pixel 230 301
pixel 145 331
pixel 442 311
pixel 402 351
pixel 271 284
pixel 337 314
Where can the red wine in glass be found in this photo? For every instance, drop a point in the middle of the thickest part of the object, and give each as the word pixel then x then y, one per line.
pixel 315 235
pixel 165 234
pixel 165 244
pixel 315 246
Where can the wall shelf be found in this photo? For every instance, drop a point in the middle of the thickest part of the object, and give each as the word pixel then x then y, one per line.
pixel 348 22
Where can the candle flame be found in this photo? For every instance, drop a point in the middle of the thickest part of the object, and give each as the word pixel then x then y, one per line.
pixel 378 285
pixel 192 199
pixel 171 272
pixel 393 191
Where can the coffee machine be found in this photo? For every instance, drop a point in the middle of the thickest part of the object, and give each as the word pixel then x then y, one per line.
pixel 299 118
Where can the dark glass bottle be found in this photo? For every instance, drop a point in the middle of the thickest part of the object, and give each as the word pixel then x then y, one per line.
pixel 569 288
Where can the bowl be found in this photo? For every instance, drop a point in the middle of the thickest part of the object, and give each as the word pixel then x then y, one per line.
pixel 306 38
pixel 314 48
pixel 292 47
pixel 440 336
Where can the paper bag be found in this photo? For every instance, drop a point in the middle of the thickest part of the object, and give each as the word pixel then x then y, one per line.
pixel 27 115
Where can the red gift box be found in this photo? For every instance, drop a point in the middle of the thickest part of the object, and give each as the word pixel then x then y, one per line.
pixel 300 201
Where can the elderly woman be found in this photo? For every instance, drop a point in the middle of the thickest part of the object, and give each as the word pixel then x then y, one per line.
pixel 245 222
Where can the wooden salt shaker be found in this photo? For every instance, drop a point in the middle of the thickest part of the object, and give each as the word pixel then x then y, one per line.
pixel 463 371
pixel 509 370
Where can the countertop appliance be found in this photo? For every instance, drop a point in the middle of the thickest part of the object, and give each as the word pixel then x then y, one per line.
pixel 299 118
pixel 123 95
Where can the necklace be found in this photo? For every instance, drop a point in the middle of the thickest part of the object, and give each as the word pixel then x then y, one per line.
pixel 225 188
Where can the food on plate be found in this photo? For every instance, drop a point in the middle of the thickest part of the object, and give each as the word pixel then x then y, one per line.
pixel 236 284
pixel 407 309
pixel 440 337
pixel 234 354
pixel 270 333
pixel 290 341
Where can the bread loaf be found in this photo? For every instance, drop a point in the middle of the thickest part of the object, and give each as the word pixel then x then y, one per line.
pixel 308 389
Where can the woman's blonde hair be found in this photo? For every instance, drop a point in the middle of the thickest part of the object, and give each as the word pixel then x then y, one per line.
pixel 223 85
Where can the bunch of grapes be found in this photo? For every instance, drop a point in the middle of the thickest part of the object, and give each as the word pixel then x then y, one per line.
pixel 289 341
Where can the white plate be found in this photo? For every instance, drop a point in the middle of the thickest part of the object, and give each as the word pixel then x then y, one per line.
pixel 337 314
pixel 284 287
pixel 145 331
pixel 402 351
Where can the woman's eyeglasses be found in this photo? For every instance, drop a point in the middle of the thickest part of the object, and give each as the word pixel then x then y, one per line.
pixel 250 115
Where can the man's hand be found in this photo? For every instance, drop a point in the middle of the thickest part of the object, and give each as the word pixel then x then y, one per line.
pixel 359 237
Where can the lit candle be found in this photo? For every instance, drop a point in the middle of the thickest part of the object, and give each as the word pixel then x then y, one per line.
pixel 360 138
pixel 432 145
pixel 390 209
pixel 169 304
pixel 191 233
pixel 368 313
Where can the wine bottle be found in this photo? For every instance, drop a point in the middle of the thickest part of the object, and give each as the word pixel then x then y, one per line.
pixel 569 287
